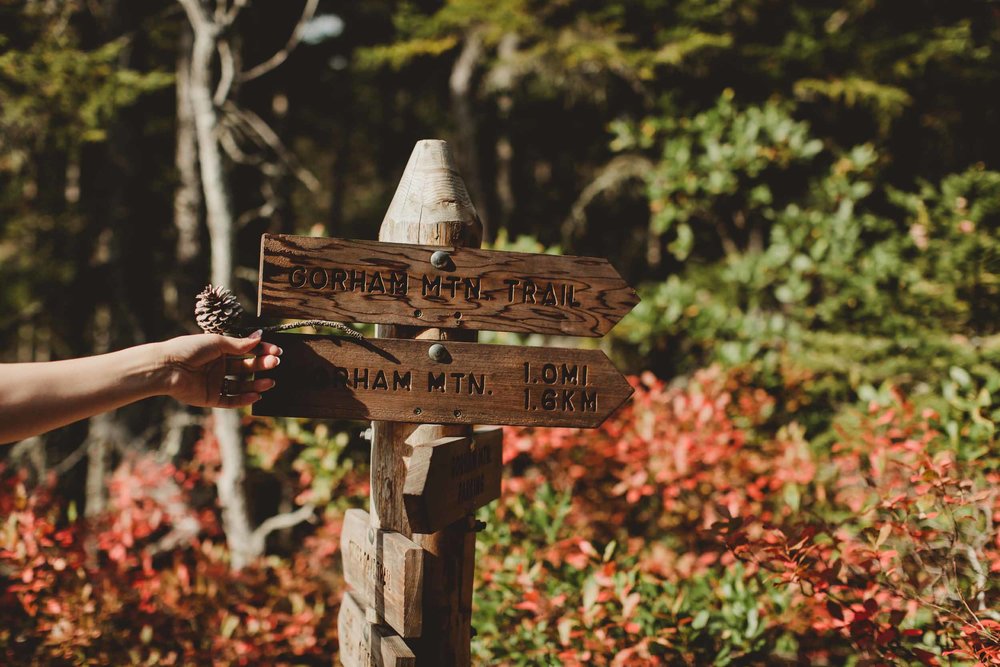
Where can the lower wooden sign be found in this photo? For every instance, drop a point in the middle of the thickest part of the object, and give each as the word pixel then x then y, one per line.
pixel 449 478
pixel 386 571
pixel 422 381
pixel 364 644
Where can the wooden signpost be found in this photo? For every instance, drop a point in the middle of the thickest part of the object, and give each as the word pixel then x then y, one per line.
pixel 426 286
pixel 424 381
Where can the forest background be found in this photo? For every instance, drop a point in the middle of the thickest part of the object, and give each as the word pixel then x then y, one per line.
pixel 807 195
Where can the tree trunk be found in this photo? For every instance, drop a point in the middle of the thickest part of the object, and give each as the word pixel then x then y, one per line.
pixel 232 498
pixel 187 196
pixel 460 83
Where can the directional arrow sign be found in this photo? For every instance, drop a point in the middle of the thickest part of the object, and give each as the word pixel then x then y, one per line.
pixel 465 383
pixel 364 644
pixel 449 478
pixel 393 283
pixel 385 570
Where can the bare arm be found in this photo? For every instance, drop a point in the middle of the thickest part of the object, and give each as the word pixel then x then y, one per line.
pixel 39 397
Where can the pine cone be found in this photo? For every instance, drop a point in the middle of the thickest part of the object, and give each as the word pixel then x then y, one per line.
pixel 217 310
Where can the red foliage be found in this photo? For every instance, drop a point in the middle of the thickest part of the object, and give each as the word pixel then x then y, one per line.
pixel 145 583
pixel 876 541
pixel 900 540
pixel 684 529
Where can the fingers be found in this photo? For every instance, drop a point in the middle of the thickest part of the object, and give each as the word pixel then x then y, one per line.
pixel 266 348
pixel 235 387
pixel 238 391
pixel 244 365
pixel 238 401
pixel 238 346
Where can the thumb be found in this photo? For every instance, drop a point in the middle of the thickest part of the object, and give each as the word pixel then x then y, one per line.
pixel 230 345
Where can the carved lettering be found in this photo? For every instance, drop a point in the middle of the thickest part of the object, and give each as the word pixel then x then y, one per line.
pixel 470 488
pixel 470 461
pixel 401 381
pixel 318 279
pixel 435 381
pixel 470 384
pixel 399 283
pixel 372 569
pixel 430 287
pixel 339 278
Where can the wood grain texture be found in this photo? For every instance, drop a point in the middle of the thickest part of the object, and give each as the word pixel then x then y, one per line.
pixel 449 478
pixel 385 570
pixel 431 207
pixel 335 377
pixel 392 283
pixel 365 644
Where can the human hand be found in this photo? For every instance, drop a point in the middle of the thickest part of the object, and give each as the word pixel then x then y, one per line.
pixel 196 369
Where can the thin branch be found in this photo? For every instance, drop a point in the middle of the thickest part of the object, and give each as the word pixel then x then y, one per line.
pixel 196 15
pixel 280 522
pixel 230 17
pixel 232 148
pixel 281 56
pixel 263 211
pixel 70 461
pixel 227 73
pixel 610 178
pixel 262 130
pixel 340 326
pixel 32 449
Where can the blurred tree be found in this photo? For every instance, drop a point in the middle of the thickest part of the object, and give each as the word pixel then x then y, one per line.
pixel 209 92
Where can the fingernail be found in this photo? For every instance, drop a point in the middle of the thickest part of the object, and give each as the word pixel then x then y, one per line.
pixel 276 362
pixel 271 386
pixel 257 334
pixel 280 351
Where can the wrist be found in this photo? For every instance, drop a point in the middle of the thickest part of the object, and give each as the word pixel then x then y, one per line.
pixel 160 369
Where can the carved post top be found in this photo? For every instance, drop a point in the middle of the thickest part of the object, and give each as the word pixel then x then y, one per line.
pixel 431 205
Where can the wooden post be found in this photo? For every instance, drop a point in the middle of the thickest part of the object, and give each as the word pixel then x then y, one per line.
pixel 431 207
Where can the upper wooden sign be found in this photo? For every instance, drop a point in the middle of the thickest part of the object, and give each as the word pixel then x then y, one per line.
pixel 428 382
pixel 394 283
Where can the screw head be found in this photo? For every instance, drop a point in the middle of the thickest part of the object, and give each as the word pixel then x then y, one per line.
pixel 440 259
pixel 438 352
pixel 417 411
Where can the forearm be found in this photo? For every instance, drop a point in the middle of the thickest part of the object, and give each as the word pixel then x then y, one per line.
pixel 39 397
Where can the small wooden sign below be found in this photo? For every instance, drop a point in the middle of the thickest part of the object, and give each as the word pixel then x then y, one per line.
pixel 364 644
pixel 421 381
pixel 451 477
pixel 428 286
pixel 385 570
